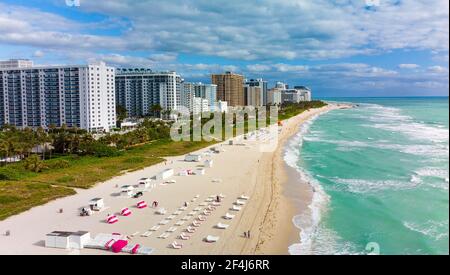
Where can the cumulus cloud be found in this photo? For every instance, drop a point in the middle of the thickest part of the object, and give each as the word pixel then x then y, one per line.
pixel 245 30
pixel 408 66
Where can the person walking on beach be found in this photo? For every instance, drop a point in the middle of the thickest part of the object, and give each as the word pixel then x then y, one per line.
pixel 248 234
pixel 245 235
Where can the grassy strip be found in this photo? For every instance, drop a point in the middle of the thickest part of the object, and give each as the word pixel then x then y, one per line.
pixel 17 197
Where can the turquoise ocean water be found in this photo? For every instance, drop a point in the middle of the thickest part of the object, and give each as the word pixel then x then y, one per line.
pixel 380 174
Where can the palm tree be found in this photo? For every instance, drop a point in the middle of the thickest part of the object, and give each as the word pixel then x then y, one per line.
pixel 156 109
pixel 34 163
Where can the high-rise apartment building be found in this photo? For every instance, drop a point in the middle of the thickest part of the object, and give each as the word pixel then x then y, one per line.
pixel 139 89
pixel 208 92
pixel 44 96
pixel 253 96
pixel 230 88
pixel 262 84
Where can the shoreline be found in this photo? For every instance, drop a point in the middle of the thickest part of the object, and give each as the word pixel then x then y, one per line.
pixel 262 176
pixel 291 196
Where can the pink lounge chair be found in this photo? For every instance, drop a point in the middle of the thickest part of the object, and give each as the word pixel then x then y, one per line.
pixel 196 224
pixel 125 212
pixel 141 204
pixel 112 219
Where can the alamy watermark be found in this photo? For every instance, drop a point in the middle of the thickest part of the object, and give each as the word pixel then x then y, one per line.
pixel 243 125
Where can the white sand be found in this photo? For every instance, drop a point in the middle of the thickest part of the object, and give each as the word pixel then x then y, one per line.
pixel 241 169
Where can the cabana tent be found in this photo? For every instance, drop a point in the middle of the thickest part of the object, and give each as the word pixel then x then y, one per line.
pixel 127 191
pixel 96 204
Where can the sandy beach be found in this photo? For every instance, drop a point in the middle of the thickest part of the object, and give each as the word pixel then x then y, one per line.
pixel 238 169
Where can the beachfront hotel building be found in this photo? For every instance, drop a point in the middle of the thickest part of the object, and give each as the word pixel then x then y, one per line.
pixel 79 96
pixel 253 96
pixel 208 92
pixel 230 88
pixel 262 84
pixel 296 95
pixel 187 95
pixel 139 89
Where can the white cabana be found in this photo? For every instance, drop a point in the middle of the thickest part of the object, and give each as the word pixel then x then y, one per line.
pixel 209 163
pixel 145 184
pixel 200 171
pixel 193 158
pixel 67 240
pixel 127 191
pixel 163 175
pixel 96 204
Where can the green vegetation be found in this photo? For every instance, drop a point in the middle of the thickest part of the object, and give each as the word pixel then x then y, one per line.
pixel 73 158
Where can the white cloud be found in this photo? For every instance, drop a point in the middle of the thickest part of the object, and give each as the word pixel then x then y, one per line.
pixel 408 66
pixel 438 69
pixel 245 30
pixel 38 54
pixel 258 68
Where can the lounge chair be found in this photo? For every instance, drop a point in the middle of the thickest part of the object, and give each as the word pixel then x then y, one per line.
pixel 182 208
pixel 171 217
pixel 222 226
pixel 154 228
pixel 196 224
pixel 184 236
pixel 190 229
pixel 161 211
pixel 201 218
pixel 191 213
pixel 236 208
pixel 239 202
pixel 180 223
pixel 176 213
pixel 206 213
pixel 203 204
pixel 186 218
pixel 176 245
pixel 243 197
pixel 163 222
pixel 146 234
pixel 228 216
pixel 197 209
pixel 197 196
pixel 164 236
pixel 211 239
pixel 172 229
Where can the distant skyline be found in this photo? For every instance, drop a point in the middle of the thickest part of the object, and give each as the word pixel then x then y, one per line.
pixel 338 48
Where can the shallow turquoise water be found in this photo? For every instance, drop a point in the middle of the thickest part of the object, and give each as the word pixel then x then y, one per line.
pixel 381 177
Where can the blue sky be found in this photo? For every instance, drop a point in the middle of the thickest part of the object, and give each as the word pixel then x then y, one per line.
pixel 338 48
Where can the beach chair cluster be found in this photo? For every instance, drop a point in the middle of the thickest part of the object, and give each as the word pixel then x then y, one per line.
pixel 124 212
pixel 169 219
pixel 117 243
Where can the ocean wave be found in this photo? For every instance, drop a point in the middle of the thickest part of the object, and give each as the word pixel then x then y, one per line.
pixel 437 230
pixel 323 241
pixel 309 221
pixel 362 186
pixel 391 119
